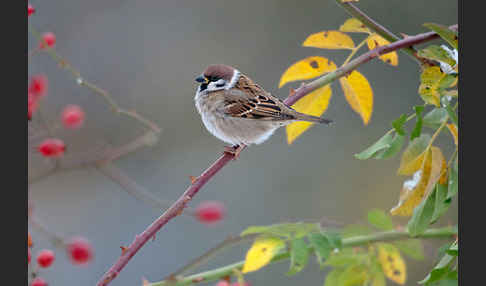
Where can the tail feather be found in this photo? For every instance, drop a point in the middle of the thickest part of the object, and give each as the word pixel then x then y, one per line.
pixel 310 118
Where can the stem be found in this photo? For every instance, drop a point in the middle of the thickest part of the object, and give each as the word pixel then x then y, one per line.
pixel 219 273
pixel 353 52
pixel 178 207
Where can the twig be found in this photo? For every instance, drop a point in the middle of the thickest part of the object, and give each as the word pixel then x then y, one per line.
pixel 109 155
pixel 178 207
pixel 130 186
pixel 219 273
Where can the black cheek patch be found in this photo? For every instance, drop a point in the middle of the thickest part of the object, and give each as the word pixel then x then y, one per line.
pixel 204 86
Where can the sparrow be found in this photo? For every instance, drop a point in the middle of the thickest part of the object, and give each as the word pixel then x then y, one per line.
pixel 238 111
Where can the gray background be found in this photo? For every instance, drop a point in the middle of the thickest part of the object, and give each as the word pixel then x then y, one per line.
pixel 147 54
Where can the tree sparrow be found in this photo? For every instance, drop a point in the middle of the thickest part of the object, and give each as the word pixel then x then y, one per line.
pixel 238 111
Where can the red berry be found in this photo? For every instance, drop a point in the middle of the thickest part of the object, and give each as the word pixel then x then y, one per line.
pixel 28 256
pixel 30 10
pixel 80 251
pixel 38 282
pixel 38 86
pixel 31 105
pixel 223 283
pixel 238 284
pixel 73 116
pixel 47 38
pixel 45 258
pixel 210 212
pixel 52 147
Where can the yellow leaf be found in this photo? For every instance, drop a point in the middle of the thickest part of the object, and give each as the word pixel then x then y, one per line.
pixel 377 40
pixel 358 93
pixel 392 263
pixel 315 103
pixel 424 180
pixel 307 68
pixel 353 25
pixel 429 88
pixel 329 40
pixel 453 130
pixel 261 252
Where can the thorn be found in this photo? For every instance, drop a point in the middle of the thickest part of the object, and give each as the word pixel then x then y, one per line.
pixel 404 35
pixel 123 249
pixel 292 92
pixel 227 278
pixel 153 237
pixel 193 179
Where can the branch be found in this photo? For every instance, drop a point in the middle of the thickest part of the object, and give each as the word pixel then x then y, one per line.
pixel 178 207
pixel 364 58
pixel 219 273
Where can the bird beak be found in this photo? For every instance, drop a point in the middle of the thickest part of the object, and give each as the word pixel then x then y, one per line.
pixel 202 79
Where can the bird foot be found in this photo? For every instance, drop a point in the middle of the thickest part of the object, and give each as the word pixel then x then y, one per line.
pixel 234 150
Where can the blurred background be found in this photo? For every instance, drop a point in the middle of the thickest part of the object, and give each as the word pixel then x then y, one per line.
pixel 147 54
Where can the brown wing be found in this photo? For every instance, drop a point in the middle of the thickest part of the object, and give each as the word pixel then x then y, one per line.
pixel 248 100
pixel 255 105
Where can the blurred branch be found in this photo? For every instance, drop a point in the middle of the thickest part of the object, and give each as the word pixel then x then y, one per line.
pixel 131 186
pixel 81 81
pixel 101 157
pixel 228 270
pixel 178 207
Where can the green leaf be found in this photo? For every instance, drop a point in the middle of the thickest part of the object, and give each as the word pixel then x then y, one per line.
pixel 422 214
pixel 452 114
pixel 453 181
pixel 378 279
pixel 444 32
pixel 353 275
pixel 299 255
pixel 446 81
pixel 321 246
pixel 383 143
pixel 413 248
pixel 418 125
pixel 395 147
pixel 286 230
pixel 441 202
pixel 332 278
pixel 441 270
pixel 355 230
pixel 380 219
pixel 453 250
pixel 344 259
pixel 334 238
pixel 398 124
pixel 436 53
pixel 435 118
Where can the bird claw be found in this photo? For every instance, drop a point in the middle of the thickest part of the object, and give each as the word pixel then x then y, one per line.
pixel 234 150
